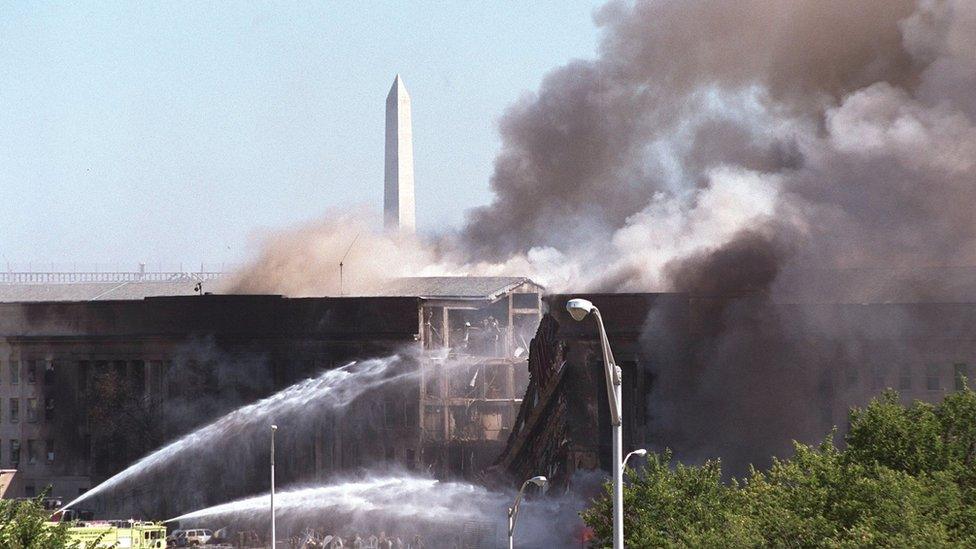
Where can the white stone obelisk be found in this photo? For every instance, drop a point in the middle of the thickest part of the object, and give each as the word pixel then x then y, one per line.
pixel 398 200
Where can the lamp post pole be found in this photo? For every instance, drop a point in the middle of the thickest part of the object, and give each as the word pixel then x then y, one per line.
pixel 274 539
pixel 579 309
pixel 539 481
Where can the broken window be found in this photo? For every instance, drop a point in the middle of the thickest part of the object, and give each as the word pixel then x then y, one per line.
pixel 31 371
pixel 525 301
pixel 409 413
pixel 49 372
pixel 14 452
pixel 961 376
pixel 31 451
pixel 49 408
pixel 49 450
pixel 14 410
pixel 32 410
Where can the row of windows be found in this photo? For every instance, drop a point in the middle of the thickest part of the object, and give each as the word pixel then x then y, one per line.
pixel 27 369
pixel 32 411
pixel 33 452
pixel 961 375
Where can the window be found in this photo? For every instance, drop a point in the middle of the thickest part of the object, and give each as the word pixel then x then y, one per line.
pixel 32 451
pixel 49 372
pixel 14 372
pixel 961 375
pixel 525 301
pixel 851 376
pixel 49 408
pixel 30 491
pixel 878 377
pixel 32 410
pixel 31 371
pixel 932 380
pixel 15 452
pixel 905 379
pixel 409 414
pixel 14 410
pixel 49 450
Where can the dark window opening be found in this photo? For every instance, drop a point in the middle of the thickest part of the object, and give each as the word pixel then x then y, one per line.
pixel 14 410
pixel 31 371
pixel 905 380
pixel 961 371
pixel 31 451
pixel 32 410
pixel 49 373
pixel 49 408
pixel 932 380
pixel 525 301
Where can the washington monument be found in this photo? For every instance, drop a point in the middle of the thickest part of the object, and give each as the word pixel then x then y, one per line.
pixel 398 200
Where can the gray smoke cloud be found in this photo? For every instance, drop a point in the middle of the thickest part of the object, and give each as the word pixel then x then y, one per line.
pixel 854 120
pixel 796 151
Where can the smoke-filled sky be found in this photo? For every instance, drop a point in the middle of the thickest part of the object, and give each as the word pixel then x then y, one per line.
pixel 710 146
pixel 713 146
pixel 172 131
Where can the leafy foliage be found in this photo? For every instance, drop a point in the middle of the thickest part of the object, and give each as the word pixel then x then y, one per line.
pixel 23 525
pixel 906 477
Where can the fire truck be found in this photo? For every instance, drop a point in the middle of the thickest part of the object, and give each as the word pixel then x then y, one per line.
pixel 120 534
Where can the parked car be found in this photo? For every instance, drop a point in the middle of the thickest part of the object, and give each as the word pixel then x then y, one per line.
pixel 197 536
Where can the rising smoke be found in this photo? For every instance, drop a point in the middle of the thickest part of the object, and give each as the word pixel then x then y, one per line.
pixel 795 151
pixel 841 133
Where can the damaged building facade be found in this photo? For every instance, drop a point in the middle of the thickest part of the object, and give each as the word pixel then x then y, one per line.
pixel 736 378
pixel 88 387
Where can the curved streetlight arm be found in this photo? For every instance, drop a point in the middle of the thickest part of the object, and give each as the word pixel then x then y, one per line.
pixel 640 452
pixel 612 371
pixel 539 481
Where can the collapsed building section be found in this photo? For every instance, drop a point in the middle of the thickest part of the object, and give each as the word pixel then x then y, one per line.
pixel 735 378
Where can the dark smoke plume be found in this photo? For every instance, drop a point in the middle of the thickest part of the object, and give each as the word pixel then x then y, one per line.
pixel 792 151
pixel 754 154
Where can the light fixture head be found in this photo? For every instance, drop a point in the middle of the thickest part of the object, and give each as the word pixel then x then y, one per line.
pixel 274 427
pixel 579 308
pixel 539 481
pixel 641 452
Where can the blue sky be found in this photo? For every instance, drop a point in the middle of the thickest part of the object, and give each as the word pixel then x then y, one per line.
pixel 175 131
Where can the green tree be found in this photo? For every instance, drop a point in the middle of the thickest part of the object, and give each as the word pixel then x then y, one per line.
pixel 23 525
pixel 906 477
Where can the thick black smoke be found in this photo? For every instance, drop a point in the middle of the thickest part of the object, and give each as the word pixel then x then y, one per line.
pixel 765 156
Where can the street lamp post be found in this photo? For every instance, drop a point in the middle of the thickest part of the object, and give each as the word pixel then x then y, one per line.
pixel 641 452
pixel 539 481
pixel 579 309
pixel 274 539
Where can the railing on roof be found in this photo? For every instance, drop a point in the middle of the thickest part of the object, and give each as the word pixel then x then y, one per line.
pixel 37 277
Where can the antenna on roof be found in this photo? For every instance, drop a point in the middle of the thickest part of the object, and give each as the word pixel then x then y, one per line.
pixel 344 258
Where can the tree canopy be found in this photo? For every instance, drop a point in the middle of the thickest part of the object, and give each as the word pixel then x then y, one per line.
pixel 904 477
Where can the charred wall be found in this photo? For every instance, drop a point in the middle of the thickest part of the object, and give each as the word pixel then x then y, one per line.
pixel 735 378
